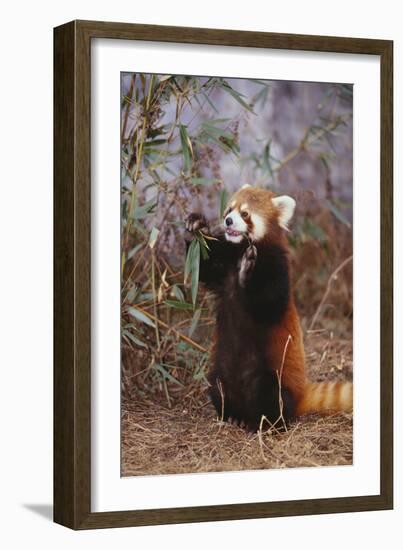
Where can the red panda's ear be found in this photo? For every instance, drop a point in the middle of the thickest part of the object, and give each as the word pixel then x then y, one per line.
pixel 286 207
pixel 245 186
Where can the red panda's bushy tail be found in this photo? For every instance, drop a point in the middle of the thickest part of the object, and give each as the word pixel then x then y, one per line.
pixel 326 398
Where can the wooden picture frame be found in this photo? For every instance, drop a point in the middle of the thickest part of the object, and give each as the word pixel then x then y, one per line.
pixel 72 269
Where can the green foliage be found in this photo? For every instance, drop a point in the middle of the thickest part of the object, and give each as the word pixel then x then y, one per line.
pixel 192 267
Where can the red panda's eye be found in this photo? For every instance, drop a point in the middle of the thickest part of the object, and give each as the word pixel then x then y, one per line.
pixel 245 214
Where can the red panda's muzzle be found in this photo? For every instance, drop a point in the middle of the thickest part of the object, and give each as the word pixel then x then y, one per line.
pixel 233 232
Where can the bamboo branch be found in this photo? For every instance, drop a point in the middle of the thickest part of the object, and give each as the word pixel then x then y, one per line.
pixel 179 334
pixel 138 163
pixel 305 142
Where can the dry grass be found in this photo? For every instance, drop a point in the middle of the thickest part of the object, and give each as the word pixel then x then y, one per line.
pixel 188 437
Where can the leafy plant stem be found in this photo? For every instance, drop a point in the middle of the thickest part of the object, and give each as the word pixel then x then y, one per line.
pixel 130 96
pixel 305 142
pixel 179 334
pixel 157 335
pixel 138 163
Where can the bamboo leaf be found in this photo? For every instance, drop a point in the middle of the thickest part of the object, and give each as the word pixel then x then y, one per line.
pixel 187 150
pixel 199 375
pixel 192 267
pixel 195 271
pixel 215 132
pixel 140 316
pixel 134 251
pixel 146 296
pixel 210 102
pixel 154 143
pixel 132 294
pixel 204 247
pixel 141 212
pixel 178 305
pixel 189 259
pixel 166 374
pixel 262 96
pixel 267 158
pixel 153 237
pixel 178 293
pixel 223 201
pixel 261 82
pixel 237 96
pixel 214 121
pixel 225 140
pixel 134 339
pixel 195 321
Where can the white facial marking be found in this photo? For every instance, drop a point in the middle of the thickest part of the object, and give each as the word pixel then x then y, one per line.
pixel 234 238
pixel 286 207
pixel 235 231
pixel 244 206
pixel 233 204
pixel 259 227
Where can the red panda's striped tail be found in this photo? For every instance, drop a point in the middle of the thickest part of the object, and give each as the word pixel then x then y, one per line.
pixel 326 398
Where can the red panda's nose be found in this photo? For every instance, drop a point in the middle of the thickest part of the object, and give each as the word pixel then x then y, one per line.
pixel 228 221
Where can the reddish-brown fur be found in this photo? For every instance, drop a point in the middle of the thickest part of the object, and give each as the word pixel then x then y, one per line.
pixel 285 346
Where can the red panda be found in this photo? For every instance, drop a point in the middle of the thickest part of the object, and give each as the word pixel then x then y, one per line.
pixel 258 363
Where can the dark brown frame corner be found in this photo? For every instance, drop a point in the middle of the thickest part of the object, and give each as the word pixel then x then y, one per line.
pixel 72 320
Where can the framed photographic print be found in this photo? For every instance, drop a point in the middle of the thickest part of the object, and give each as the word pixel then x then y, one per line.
pixel 223 275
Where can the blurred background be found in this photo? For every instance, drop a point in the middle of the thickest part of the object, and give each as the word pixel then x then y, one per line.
pixel 188 143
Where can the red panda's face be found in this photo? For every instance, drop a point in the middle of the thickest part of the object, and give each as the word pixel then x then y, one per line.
pixel 254 214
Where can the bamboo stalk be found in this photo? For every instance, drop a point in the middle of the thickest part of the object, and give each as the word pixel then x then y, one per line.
pixel 130 96
pixel 138 163
pixel 157 334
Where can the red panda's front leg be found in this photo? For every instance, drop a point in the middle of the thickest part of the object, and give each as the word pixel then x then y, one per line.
pixel 247 266
pixel 222 255
pixel 197 222
pixel 265 282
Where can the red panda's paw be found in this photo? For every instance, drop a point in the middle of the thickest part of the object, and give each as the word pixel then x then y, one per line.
pixel 247 265
pixel 195 222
